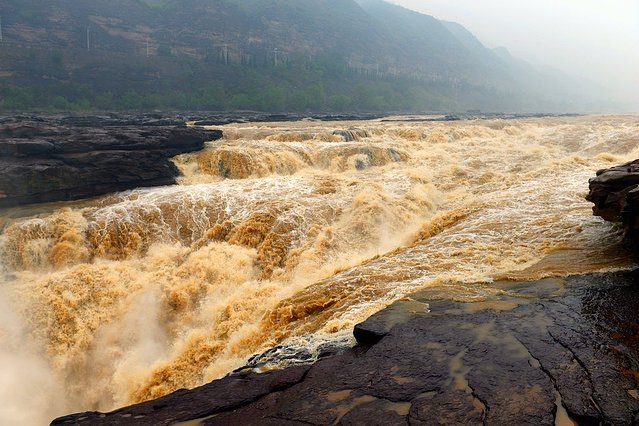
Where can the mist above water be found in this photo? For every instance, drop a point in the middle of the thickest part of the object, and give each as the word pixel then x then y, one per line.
pixel 289 233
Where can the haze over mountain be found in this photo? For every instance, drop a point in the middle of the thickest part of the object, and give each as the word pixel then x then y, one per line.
pixel 269 55
pixel 588 38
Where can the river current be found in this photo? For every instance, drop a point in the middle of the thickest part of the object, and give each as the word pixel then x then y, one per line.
pixel 288 234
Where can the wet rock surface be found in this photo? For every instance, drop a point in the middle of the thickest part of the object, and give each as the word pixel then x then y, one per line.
pixel 46 159
pixel 542 352
pixel 478 115
pixel 215 119
pixel 615 194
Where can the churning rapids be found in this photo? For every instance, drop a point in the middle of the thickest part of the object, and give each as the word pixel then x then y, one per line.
pixel 288 233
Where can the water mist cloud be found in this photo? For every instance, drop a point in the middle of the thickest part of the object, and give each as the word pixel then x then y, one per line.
pixel 30 392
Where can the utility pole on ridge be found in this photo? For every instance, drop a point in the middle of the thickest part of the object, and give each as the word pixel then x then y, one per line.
pixel 88 41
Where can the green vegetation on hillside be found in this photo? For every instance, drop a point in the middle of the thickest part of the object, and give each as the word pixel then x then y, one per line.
pixel 266 55
pixel 177 82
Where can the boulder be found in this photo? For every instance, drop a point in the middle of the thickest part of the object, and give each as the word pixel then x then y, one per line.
pixel 615 194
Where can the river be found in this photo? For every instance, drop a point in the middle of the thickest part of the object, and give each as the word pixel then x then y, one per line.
pixel 288 234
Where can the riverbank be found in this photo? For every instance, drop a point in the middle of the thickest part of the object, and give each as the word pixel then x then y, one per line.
pixel 555 351
pixel 545 352
pixel 45 159
pixel 286 235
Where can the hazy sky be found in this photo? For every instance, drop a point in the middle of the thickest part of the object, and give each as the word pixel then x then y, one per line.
pixel 597 39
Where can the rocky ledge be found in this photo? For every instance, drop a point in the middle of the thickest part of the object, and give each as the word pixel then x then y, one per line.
pixel 544 353
pixel 46 159
pixel 615 194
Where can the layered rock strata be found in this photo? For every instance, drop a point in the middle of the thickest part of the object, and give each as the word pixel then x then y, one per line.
pixel 615 194
pixel 44 159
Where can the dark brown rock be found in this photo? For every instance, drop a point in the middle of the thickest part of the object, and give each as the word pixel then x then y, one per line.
pixel 615 194
pixel 222 395
pixel 213 119
pixel 42 160
pixel 508 360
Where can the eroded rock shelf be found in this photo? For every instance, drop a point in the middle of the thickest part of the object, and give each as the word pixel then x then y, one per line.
pixel 45 159
pixel 555 350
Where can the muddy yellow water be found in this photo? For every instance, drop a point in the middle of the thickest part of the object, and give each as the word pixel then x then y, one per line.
pixel 288 233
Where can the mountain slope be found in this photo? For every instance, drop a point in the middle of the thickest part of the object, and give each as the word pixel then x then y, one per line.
pixel 365 54
pixel 418 40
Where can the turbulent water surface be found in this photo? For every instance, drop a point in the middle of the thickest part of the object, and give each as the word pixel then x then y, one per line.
pixel 288 233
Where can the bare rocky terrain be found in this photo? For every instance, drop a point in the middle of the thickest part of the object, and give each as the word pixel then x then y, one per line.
pixel 46 159
pixel 545 352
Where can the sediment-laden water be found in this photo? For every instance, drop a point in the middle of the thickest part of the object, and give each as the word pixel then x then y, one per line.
pixel 288 233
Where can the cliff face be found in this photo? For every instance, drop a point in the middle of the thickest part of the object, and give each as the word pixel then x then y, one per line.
pixel 366 35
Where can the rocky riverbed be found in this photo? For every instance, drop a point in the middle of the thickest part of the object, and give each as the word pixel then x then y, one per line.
pixel 46 159
pixel 555 351
pixel 544 353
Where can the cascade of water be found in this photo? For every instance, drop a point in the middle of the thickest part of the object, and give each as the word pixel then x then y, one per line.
pixel 289 231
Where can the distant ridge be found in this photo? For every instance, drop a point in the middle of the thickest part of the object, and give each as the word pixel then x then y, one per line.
pixel 319 55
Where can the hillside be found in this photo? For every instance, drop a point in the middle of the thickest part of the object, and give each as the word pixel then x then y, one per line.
pixel 270 55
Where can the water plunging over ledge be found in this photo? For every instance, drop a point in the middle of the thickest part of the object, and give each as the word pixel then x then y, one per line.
pixel 290 232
